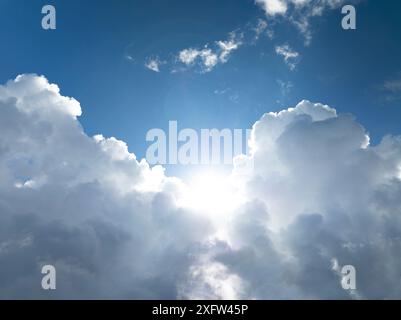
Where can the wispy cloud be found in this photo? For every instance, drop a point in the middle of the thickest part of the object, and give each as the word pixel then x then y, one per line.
pixel 298 12
pixel 153 64
pixel 232 95
pixel 393 85
pixel 285 87
pixel 392 89
pixel 290 56
pixel 208 58
pixel 204 58
pixel 261 28
pixel 226 47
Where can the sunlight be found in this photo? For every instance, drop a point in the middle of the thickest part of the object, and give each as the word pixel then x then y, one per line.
pixel 212 193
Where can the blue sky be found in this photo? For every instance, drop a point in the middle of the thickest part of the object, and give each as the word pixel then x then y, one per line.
pixel 87 56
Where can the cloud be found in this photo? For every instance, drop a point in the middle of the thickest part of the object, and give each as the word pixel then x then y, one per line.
pixel 393 86
pixel 261 28
pixel 114 227
pixel 273 7
pixel 392 89
pixel 298 12
pixel 203 59
pixel 231 94
pixel 226 47
pixel 106 221
pixel 188 56
pixel 206 58
pixel 290 56
pixel 285 87
pixel 154 64
pixel 320 192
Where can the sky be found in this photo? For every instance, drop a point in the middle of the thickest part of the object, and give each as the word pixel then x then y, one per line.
pixel 99 50
pixel 323 107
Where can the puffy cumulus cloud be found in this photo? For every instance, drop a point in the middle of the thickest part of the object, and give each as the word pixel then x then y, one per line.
pixel 319 197
pixel 107 222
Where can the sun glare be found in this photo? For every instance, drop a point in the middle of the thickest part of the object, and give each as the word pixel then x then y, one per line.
pixel 212 193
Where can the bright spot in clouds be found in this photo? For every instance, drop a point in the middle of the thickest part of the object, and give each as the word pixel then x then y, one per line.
pixel 212 192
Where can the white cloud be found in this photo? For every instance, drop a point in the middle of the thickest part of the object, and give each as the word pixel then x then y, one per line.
pixel 207 59
pixel 129 57
pixel 188 56
pixel 393 85
pixel 273 7
pixel 261 28
pixel 299 12
pixel 154 64
pixel 318 193
pixel 109 223
pixel 113 226
pixel 391 89
pixel 285 87
pixel 290 56
pixel 226 47
pixel 327 195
